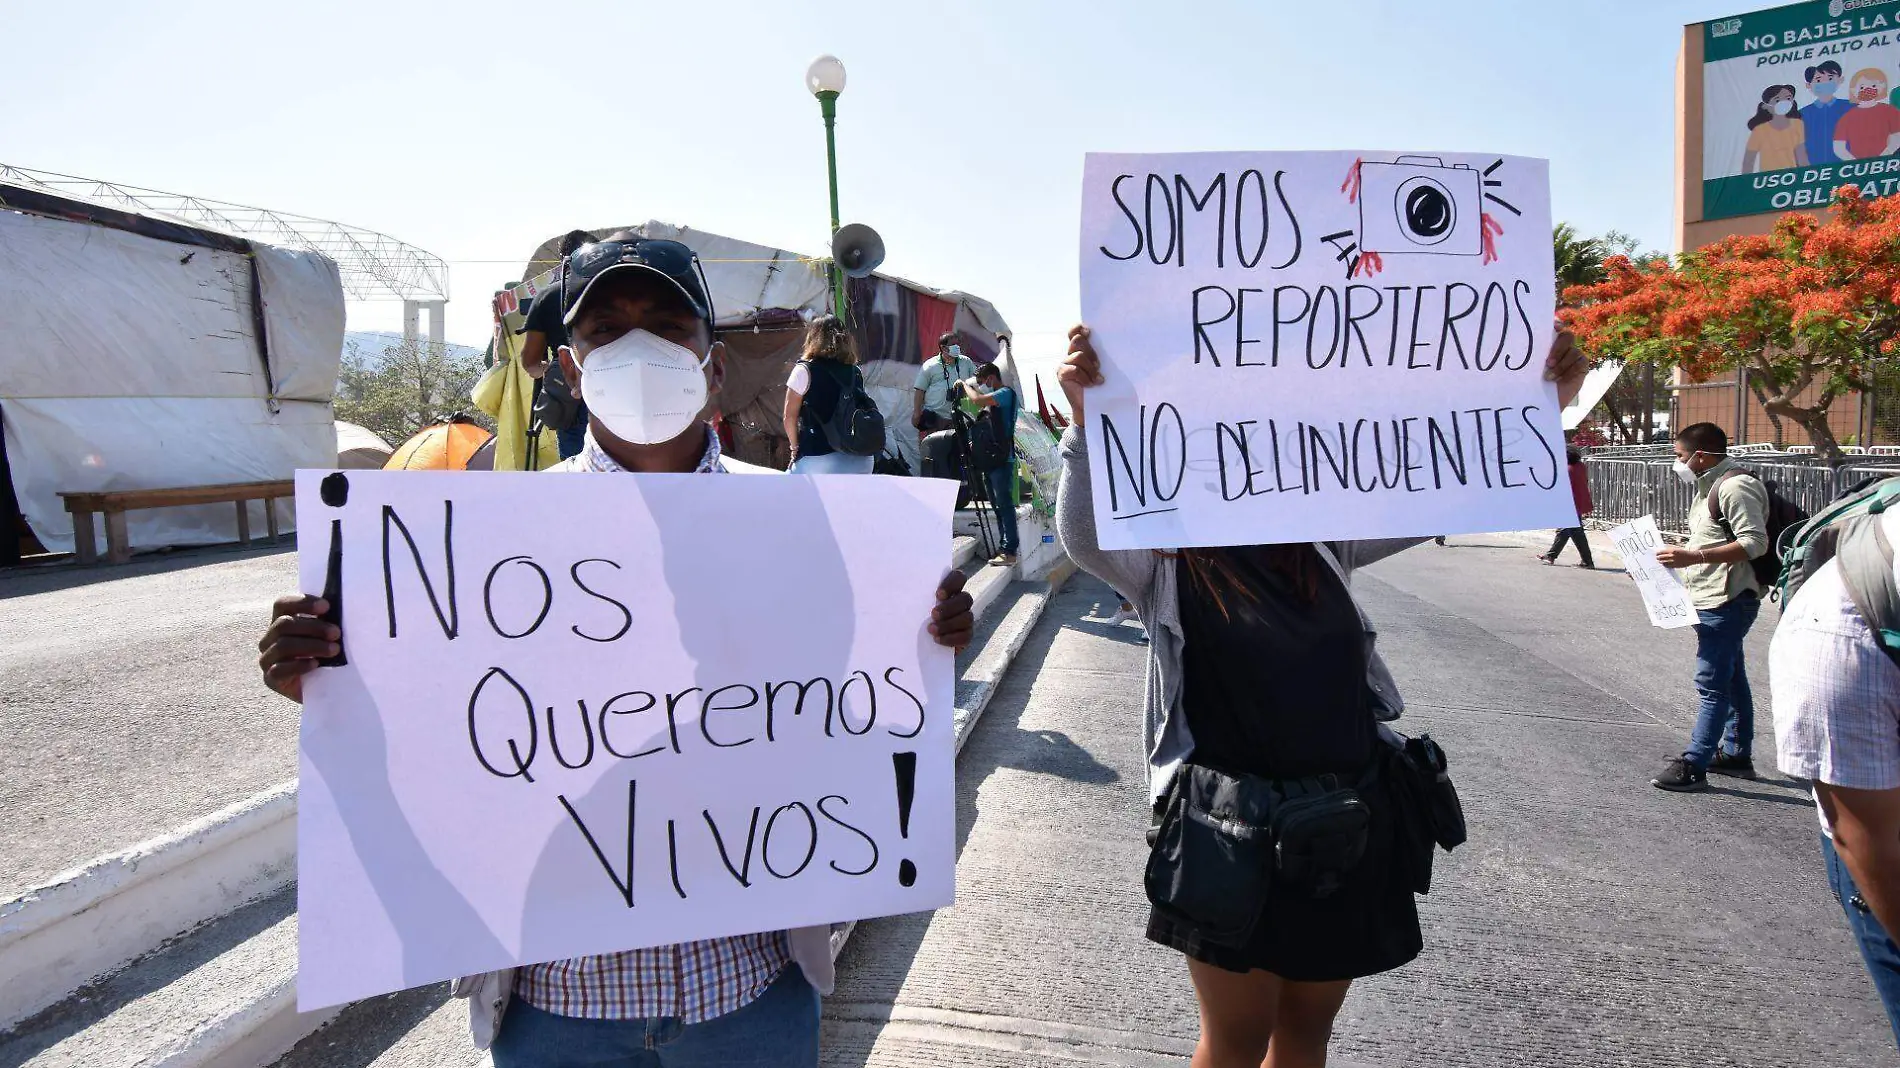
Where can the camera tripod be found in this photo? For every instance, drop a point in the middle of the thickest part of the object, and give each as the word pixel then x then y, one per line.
pixel 972 487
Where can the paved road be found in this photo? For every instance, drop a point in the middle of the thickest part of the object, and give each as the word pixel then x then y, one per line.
pixel 130 703
pixel 1592 920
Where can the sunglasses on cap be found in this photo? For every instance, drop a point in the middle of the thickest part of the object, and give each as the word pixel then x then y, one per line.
pixel 671 260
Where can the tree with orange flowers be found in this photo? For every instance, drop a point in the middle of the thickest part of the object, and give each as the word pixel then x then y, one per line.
pixel 1808 310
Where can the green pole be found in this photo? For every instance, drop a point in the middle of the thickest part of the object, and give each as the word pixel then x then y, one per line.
pixel 828 103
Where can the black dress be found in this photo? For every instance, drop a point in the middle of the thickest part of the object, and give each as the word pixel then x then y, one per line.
pixel 1277 688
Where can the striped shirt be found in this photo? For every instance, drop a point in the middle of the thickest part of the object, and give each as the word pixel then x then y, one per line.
pixel 694 981
pixel 1836 695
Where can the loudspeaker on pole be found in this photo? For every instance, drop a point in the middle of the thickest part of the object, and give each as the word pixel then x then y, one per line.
pixel 857 249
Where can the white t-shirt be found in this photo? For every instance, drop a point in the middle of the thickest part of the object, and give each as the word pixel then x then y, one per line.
pixel 1836 696
pixel 935 378
pixel 801 378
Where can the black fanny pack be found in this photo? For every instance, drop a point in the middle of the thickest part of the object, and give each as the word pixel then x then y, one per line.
pixel 1221 842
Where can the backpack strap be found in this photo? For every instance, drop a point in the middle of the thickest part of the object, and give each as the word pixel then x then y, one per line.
pixel 1866 563
pixel 1715 499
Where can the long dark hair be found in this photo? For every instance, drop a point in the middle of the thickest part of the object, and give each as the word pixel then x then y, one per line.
pixel 1217 574
pixel 1765 113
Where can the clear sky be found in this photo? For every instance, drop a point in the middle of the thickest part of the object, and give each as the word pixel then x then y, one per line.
pixel 477 130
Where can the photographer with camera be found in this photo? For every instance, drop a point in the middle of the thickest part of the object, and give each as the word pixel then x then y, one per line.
pixel 934 406
pixel 993 451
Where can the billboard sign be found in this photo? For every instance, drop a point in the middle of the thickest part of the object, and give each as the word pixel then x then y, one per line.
pixel 1798 101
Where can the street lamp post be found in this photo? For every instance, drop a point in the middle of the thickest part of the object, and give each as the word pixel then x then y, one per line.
pixel 825 79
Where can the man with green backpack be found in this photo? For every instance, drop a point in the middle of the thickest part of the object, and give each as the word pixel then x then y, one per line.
pixel 1835 672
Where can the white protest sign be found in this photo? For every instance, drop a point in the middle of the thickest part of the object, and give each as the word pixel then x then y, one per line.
pixel 1663 596
pixel 583 714
pixel 1302 346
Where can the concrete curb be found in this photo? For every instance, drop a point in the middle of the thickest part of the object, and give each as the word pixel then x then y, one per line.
pixel 97 918
pixel 987 671
pixel 1601 547
pixel 259 1033
pixel 1013 633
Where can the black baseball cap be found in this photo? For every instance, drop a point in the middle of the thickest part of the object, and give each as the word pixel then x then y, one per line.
pixel 670 260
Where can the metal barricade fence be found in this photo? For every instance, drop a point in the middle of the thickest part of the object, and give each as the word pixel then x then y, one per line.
pixel 1623 489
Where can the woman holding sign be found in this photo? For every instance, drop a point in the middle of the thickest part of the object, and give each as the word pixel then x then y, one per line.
pixel 1291 827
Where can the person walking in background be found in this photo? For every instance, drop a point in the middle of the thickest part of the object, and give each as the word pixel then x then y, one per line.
pixel 999 407
pixel 1819 117
pixel 1777 139
pixel 1728 527
pixel 1837 725
pixel 825 374
pixel 556 406
pixel 1580 493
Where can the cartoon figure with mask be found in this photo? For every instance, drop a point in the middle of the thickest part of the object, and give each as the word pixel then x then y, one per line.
pixel 1824 81
pixel 1872 127
pixel 1777 139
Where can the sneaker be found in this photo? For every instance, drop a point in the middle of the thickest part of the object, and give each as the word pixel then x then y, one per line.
pixel 1004 559
pixel 1587 566
pixel 1122 615
pixel 1681 777
pixel 1440 540
pixel 1549 561
pixel 1733 764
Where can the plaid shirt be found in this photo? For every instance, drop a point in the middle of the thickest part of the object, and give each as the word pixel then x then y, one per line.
pixel 1836 695
pixel 693 981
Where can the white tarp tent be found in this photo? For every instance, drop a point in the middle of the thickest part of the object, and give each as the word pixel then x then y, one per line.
pixel 133 362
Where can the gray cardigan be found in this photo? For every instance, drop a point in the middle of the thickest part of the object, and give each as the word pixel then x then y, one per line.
pixel 1148 580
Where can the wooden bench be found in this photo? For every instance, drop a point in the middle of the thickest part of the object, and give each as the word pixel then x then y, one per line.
pixel 115 504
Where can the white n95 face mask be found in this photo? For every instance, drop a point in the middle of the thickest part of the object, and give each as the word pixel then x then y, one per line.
pixel 1684 472
pixel 646 389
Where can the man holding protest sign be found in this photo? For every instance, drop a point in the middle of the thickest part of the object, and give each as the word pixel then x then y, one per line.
pixel 1728 529
pixel 1256 415
pixel 645 357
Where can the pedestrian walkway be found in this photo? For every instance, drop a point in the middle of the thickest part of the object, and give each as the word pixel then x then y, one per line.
pixel 1592 920
pixel 133 703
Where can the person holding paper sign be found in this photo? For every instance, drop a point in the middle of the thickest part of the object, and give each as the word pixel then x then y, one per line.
pixel 1728 527
pixel 1265 702
pixel 645 358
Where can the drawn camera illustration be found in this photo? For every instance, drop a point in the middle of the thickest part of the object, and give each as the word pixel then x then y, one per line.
pixel 1417 204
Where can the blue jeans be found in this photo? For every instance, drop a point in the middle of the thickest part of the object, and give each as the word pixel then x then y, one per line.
pixel 1876 948
pixel 833 463
pixel 1727 715
pixel 571 442
pixel 1002 484
pixel 779 1029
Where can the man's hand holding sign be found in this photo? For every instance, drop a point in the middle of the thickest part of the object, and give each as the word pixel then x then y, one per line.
pixel 566 718
pixel 1322 345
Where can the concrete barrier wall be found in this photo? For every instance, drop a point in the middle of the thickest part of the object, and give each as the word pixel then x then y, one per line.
pixel 92 920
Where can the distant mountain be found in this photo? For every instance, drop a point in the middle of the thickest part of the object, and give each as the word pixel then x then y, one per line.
pixel 372 344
